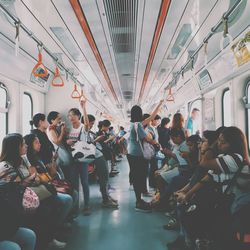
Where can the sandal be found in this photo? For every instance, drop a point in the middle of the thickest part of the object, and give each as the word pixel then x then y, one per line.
pixel 172 224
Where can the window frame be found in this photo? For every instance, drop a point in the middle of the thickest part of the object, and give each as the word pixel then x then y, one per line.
pixel 7 103
pixel 32 105
pixel 247 102
pixel 222 104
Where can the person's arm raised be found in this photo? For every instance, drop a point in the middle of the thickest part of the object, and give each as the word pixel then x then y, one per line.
pixel 85 115
pixel 153 115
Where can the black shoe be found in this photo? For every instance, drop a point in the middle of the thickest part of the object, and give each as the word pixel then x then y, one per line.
pixel 143 206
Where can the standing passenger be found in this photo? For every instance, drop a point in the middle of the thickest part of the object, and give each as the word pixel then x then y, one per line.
pixel 135 154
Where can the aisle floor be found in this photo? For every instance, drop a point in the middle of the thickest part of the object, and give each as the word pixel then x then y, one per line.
pixel 121 229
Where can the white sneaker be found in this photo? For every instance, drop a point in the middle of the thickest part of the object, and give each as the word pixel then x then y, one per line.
pixel 57 244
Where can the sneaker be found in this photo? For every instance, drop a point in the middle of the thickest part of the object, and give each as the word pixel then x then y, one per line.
pixel 57 244
pixel 112 199
pixel 110 204
pixel 143 206
pixel 86 211
pixel 203 244
pixel 148 194
pixel 114 171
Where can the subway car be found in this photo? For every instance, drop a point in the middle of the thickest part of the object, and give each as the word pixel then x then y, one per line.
pixel 124 124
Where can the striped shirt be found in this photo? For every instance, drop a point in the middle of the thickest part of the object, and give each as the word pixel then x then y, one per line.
pixel 228 166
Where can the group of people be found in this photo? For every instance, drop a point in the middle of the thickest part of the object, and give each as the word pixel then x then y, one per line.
pixel 201 182
pixel 39 178
pixel 192 177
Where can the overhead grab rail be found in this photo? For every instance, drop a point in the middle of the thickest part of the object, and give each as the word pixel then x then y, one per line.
pixel 223 20
pixel 16 20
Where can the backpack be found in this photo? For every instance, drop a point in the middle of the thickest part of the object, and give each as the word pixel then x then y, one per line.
pixel 147 149
pixel 83 150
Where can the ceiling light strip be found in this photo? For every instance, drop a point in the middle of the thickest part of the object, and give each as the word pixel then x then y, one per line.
pixel 85 27
pixel 160 23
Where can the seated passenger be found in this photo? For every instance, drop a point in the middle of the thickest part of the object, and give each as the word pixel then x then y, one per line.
pixel 15 167
pixel 209 222
pixel 22 239
pixel 65 201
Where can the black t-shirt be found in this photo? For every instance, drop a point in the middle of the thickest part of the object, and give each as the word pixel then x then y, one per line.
pixel 47 148
pixel 164 137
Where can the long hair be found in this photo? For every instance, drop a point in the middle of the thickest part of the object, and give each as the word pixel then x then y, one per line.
pixel 31 154
pixel 136 114
pixel 237 141
pixel 11 149
pixel 178 121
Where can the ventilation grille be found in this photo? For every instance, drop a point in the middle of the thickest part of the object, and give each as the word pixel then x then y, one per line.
pixel 122 22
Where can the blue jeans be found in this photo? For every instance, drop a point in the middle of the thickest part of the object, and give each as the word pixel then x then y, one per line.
pixel 65 204
pixel 24 239
pixel 81 170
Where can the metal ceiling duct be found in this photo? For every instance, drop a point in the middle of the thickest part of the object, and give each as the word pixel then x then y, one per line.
pixel 122 22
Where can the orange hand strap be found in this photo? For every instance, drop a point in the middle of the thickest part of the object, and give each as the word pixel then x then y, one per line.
pixel 38 66
pixel 57 79
pixel 170 97
pixel 75 93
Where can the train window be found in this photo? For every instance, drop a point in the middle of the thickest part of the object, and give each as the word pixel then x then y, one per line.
pixel 3 112
pixel 226 108
pixel 197 104
pixel 27 112
pixel 248 113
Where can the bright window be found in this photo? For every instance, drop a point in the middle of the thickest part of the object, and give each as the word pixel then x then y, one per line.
pixel 27 113
pixel 197 104
pixel 248 113
pixel 226 108
pixel 3 112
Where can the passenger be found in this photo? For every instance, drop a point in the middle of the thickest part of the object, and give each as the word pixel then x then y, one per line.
pixel 22 239
pixel 106 144
pixel 208 149
pixel 47 148
pixel 135 154
pixel 57 135
pixel 65 202
pixel 164 133
pixel 78 131
pixel 153 164
pixel 100 163
pixel 15 167
pixel 192 124
pixel 208 223
pixel 185 169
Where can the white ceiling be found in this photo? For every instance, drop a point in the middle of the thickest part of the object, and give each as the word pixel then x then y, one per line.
pixel 39 16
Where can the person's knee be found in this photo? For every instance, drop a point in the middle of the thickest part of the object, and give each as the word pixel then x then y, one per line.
pixel 65 200
pixel 9 245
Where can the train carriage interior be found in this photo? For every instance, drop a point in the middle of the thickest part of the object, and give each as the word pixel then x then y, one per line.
pixel 124 124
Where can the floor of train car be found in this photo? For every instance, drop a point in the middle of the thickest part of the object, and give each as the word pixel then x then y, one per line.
pixel 123 229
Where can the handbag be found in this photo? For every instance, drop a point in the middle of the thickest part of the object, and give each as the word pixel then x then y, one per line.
pixel 83 150
pixel 30 200
pixel 148 149
pixel 44 191
pixel 62 186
